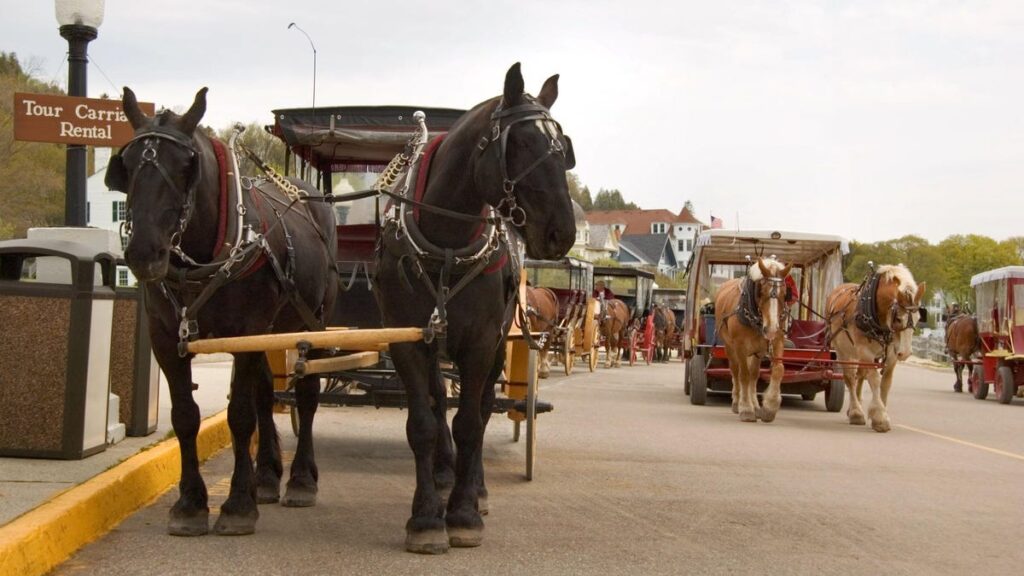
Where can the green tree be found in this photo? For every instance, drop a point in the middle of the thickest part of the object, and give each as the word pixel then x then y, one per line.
pixel 31 173
pixel 579 192
pixel 267 147
pixel 964 256
pixel 612 200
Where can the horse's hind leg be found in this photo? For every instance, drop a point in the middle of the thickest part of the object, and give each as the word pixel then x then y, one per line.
pixel 486 409
pixel 879 391
pixel 958 369
pixel 189 516
pixel 301 489
pixel 773 396
pixel 734 369
pixel 268 456
pixel 239 513
pixel 444 452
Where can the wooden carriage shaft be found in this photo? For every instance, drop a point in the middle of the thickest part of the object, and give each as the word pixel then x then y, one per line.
pixel 344 339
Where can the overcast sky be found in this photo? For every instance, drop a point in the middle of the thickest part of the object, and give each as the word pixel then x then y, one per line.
pixel 867 119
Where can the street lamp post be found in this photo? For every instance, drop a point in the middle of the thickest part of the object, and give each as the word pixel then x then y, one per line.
pixel 296 26
pixel 79 21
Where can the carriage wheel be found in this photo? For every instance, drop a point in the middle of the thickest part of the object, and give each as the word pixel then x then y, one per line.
pixel 698 380
pixel 834 394
pixel 974 375
pixel 593 358
pixel 633 341
pixel 1005 387
pixel 294 412
pixel 569 352
pixel 980 386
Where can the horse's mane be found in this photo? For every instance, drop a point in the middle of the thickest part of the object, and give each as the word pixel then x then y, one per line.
pixel 771 264
pixel 900 273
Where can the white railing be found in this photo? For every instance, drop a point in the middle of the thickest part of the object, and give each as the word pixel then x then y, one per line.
pixel 930 347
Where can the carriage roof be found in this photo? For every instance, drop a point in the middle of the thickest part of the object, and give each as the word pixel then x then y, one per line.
pixel 997 274
pixel 800 248
pixel 568 273
pixel 344 138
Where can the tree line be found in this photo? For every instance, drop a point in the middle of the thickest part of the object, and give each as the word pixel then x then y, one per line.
pixel 947 267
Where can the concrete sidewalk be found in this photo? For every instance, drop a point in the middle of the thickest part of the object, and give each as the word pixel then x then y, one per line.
pixel 26 483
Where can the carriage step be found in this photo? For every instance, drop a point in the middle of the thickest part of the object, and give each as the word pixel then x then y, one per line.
pixel 542 407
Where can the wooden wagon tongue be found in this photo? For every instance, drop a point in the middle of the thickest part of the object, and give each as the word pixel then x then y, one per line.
pixel 361 340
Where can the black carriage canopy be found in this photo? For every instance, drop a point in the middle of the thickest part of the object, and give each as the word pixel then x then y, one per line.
pixel 354 138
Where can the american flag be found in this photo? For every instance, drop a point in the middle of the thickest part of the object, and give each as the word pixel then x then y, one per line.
pixel 716 222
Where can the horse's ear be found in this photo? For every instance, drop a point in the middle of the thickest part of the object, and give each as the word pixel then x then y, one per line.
pixel 514 86
pixel 130 105
pixel 764 269
pixel 785 271
pixel 549 92
pixel 117 175
pixel 191 118
pixel 920 292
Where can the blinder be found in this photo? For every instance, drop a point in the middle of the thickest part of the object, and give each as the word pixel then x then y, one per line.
pixel 116 178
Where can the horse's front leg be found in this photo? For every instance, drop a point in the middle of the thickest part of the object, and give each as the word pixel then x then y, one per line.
pixel 773 395
pixel 749 367
pixel 239 512
pixel 734 369
pixel 876 410
pixel 486 409
pixel 463 519
pixel 425 530
pixel 301 489
pixel 444 452
pixel 268 456
pixel 189 516
pixel 855 412
pixel 958 369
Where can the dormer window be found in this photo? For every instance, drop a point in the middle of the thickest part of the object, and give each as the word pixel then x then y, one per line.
pixel 659 228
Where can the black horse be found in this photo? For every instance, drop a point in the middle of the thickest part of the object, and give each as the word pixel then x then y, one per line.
pixel 444 272
pixel 217 258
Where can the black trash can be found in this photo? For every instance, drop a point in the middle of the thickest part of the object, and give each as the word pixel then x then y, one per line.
pixel 56 317
pixel 134 373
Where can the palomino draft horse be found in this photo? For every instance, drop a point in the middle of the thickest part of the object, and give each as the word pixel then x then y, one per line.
pixel 219 258
pixel 542 310
pixel 613 322
pixel 870 323
pixel 962 343
pixel 664 331
pixel 438 269
pixel 750 313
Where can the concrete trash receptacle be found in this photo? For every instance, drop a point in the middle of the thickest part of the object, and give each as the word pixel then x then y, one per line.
pixel 56 317
pixel 134 373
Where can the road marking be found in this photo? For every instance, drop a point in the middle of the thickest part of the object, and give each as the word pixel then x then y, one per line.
pixel 964 442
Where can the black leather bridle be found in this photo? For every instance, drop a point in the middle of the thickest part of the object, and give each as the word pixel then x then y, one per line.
pixel 558 143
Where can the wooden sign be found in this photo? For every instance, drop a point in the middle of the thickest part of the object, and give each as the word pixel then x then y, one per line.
pixel 72 120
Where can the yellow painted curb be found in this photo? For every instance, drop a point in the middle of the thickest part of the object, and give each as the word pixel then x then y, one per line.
pixel 36 542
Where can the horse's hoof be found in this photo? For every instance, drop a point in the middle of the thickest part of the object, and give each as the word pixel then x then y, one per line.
pixel 481 505
pixel 958 387
pixel 267 494
pixel 236 524
pixel 196 525
pixel 735 408
pixel 299 495
pixel 748 416
pixel 857 420
pixel 426 542
pixel 880 426
pixel 466 537
pixel 768 416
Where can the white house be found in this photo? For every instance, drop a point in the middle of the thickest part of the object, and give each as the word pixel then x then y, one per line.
pixel 107 209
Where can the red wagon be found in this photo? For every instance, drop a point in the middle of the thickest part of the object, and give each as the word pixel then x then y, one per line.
pixel 999 301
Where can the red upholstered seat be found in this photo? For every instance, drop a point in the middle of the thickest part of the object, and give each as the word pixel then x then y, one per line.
pixel 808 334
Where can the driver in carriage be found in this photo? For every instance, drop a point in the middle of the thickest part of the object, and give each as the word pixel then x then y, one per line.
pixel 603 292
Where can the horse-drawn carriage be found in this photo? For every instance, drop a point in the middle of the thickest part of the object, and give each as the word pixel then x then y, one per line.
pixel 999 302
pixel 673 300
pixel 244 265
pixel 572 323
pixel 808 359
pixel 635 288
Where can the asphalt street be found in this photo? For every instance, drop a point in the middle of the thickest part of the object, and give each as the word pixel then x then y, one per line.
pixel 633 479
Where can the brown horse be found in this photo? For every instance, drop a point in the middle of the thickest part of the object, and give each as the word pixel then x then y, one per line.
pixel 614 321
pixel 750 316
pixel 542 310
pixel 870 323
pixel 962 343
pixel 664 331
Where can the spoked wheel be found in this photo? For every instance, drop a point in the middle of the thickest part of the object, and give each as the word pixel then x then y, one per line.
pixel 649 354
pixel 569 352
pixel 633 341
pixel 834 394
pixel 976 375
pixel 698 380
pixel 1005 386
pixel 592 360
pixel 980 386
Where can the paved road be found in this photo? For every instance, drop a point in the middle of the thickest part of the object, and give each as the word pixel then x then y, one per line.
pixel 632 479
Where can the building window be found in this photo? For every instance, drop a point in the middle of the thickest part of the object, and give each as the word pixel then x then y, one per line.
pixel 118 212
pixel 124 243
pixel 122 277
pixel 689 244
pixel 88 211
pixel 680 245
pixel 659 228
